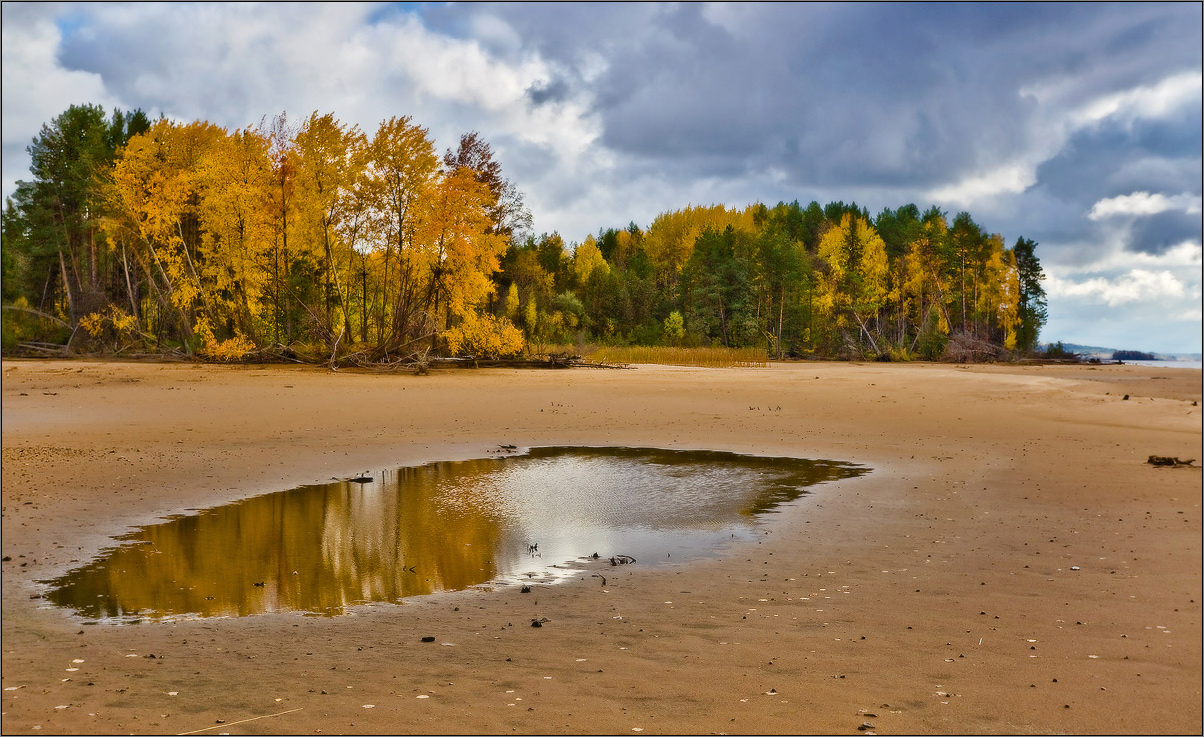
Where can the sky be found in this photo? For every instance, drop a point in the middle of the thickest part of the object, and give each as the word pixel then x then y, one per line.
pixel 1076 125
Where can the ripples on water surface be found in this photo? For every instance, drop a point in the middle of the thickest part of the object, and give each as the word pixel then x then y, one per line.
pixel 438 527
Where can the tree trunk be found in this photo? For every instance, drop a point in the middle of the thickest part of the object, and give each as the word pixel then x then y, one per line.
pixel 130 289
pixel 67 288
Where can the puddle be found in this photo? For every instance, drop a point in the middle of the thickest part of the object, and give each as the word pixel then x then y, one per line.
pixel 439 527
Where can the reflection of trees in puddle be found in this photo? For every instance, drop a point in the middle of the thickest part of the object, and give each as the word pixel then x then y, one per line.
pixel 315 549
pixel 443 526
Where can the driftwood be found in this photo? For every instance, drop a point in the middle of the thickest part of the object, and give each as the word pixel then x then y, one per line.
pixel 1169 461
pixel 53 349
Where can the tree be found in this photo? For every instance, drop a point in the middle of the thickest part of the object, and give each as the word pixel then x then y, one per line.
pixel 586 258
pixel 675 328
pixel 59 207
pixel 716 288
pixel 152 200
pixel 898 228
pixel 924 299
pixel 461 253
pixel 402 167
pixel 330 160
pixel 1031 306
pixel 508 213
pixel 855 283
pixel 234 179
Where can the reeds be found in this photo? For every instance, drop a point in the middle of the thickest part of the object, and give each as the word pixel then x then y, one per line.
pixel 707 357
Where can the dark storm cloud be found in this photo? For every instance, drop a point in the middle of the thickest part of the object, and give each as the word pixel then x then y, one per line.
pixel 849 94
pixel 557 90
pixel 1158 233
pixel 1115 159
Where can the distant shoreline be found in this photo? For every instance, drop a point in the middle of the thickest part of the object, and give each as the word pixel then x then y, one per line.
pixel 1164 363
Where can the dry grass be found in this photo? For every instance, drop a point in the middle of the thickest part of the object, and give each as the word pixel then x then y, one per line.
pixel 666 356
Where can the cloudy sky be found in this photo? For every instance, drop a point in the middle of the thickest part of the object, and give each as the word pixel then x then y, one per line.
pixel 1077 125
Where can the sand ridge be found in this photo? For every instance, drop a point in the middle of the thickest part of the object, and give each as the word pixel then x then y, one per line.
pixel 1010 565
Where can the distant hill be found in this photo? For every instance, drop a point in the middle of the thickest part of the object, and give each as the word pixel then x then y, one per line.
pixel 1095 351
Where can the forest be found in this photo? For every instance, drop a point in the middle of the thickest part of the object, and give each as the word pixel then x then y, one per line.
pixel 313 240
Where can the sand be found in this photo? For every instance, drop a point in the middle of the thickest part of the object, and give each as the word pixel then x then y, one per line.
pixel 1011 565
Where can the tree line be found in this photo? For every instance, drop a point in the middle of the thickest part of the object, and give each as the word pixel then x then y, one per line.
pixel 315 239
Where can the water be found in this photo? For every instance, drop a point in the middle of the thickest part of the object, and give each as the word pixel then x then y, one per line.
pixel 438 527
pixel 1185 364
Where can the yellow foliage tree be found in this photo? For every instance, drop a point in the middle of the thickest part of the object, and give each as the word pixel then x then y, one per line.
pixel 669 241
pixel 485 336
pixel 587 258
pixel 234 181
pixel 152 199
pixel 402 165
pixel 330 159
pixel 1001 291
pixel 924 286
pixel 855 282
pixel 460 251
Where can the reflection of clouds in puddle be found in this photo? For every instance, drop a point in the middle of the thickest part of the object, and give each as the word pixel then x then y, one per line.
pixel 438 527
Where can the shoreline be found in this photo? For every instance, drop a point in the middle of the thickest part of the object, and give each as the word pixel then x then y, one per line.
pixel 974 469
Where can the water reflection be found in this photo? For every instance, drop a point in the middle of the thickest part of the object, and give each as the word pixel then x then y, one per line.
pixel 438 527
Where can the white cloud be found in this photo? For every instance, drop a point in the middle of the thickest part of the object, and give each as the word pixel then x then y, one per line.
pixel 1144 203
pixel 250 61
pixel 1186 254
pixel 1147 101
pixel 1007 179
pixel 1136 285
pixel 1057 118
pixel 30 44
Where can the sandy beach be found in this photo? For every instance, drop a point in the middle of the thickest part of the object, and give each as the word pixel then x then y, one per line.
pixel 1011 564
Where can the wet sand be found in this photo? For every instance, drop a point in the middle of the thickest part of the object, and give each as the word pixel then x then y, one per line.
pixel 1011 565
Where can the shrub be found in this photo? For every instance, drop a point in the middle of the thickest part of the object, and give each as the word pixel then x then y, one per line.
pixel 485 336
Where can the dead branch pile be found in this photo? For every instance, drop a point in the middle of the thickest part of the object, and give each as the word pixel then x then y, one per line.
pixel 966 348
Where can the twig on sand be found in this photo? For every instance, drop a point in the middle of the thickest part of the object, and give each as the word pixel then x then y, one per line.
pixel 240 721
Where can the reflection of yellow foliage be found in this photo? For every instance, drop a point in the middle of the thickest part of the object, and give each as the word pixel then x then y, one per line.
pixel 317 549
pixel 485 336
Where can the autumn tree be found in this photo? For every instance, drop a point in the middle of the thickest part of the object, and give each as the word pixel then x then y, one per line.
pixel 507 211
pixel 460 250
pixel 153 201
pixel 925 299
pixel 854 284
pixel 330 160
pixel 402 167
pixel 234 179
pixel 587 258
